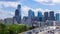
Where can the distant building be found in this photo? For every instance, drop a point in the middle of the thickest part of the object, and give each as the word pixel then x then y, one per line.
pixel 16 12
pixel 45 16
pixel 19 9
pixel 28 19
pixel 35 21
pixel 17 16
pixel 51 15
pixel 57 23
pixel 31 15
pixel 8 21
pixel 57 17
pixel 24 20
pixel 49 23
pixel 39 16
pixel 14 20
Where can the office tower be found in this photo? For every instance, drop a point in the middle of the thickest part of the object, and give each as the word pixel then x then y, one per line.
pixel 31 14
pixel 57 16
pixel 30 17
pixel 19 9
pixel 51 15
pixel 16 12
pixel 39 16
pixel 45 16
pixel 24 20
pixel 17 16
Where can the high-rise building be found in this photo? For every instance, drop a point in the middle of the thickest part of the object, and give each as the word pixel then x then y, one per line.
pixel 24 20
pixel 16 12
pixel 57 17
pixel 51 15
pixel 39 16
pixel 31 14
pixel 19 9
pixel 17 16
pixel 45 16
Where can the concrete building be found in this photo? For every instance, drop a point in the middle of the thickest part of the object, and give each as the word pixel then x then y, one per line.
pixel 8 21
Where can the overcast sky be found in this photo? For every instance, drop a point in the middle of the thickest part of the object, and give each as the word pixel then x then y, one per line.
pixel 8 7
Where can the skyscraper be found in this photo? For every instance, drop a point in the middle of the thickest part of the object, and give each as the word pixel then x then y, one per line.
pixel 19 9
pixel 30 17
pixel 51 15
pixel 57 17
pixel 45 16
pixel 30 14
pixel 39 16
pixel 18 14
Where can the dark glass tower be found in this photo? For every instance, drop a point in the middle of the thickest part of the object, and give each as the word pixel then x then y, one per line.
pixel 51 15
pixel 39 16
pixel 30 17
pixel 31 14
pixel 18 14
pixel 45 16
pixel 19 9
pixel 57 17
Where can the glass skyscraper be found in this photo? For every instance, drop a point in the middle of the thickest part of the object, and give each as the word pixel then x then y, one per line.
pixel 39 16
pixel 45 16
pixel 19 9
pixel 31 14
pixel 57 17
pixel 51 15
pixel 18 14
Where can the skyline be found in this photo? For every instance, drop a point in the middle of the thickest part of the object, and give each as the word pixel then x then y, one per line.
pixel 8 7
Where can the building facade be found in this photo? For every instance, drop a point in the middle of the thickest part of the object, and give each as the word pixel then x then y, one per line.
pixel 51 15
pixel 17 16
pixel 39 16
pixel 57 17
pixel 45 16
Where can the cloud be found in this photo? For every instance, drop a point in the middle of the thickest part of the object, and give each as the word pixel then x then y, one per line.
pixel 9 4
pixel 25 10
pixel 5 14
pixel 48 2
pixel 8 12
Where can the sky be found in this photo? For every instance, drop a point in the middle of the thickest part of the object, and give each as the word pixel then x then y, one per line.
pixel 8 7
